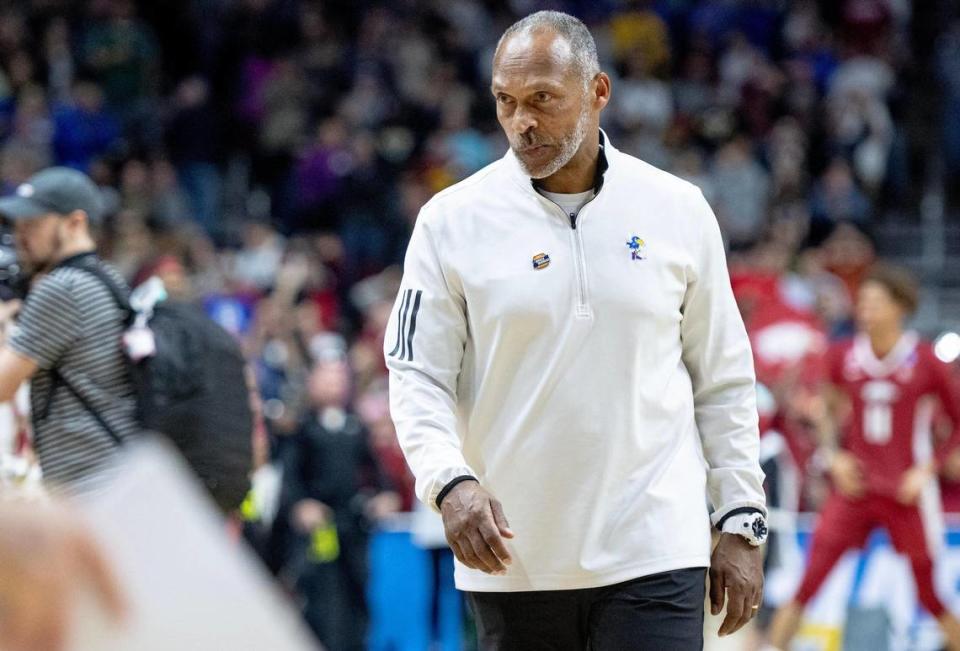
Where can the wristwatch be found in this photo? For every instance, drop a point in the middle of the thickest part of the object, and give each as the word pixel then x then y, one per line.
pixel 752 526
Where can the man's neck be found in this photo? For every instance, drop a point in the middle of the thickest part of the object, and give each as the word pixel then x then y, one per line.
pixel 75 248
pixel 579 174
pixel 883 342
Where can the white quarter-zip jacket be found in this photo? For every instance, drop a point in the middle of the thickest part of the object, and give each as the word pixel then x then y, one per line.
pixel 593 372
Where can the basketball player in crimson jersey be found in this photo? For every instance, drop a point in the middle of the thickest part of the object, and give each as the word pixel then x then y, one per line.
pixel 883 474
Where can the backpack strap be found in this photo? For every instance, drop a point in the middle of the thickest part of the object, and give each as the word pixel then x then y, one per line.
pixel 58 379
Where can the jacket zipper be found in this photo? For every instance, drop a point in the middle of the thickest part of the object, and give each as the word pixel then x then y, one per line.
pixel 583 307
pixel 579 259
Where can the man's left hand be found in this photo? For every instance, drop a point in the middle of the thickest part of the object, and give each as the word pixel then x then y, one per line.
pixel 736 576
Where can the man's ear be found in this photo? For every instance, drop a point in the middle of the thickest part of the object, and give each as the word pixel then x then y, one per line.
pixel 602 93
pixel 79 219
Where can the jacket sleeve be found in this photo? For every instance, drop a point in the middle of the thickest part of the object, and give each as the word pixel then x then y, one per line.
pixel 716 352
pixel 424 346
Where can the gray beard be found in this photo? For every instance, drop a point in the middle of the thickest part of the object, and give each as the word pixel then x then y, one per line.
pixel 568 148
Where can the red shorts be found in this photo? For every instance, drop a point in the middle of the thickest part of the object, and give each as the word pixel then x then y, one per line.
pixel 844 524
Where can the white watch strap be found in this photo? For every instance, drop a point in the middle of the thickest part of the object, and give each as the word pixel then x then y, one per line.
pixel 742 525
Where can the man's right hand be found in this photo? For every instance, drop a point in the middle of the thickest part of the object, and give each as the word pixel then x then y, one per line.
pixel 476 526
pixel 847 475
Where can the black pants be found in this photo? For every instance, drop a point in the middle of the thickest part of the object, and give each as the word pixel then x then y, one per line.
pixel 662 612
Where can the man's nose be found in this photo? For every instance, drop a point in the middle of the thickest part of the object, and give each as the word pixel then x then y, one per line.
pixel 524 121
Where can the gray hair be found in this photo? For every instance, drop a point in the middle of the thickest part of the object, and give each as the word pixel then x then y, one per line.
pixel 583 48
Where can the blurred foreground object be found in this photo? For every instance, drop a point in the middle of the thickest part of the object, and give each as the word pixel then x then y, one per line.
pixel 46 557
pixel 190 588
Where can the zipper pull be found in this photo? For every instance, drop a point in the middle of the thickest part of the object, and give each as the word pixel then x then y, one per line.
pixel 573 220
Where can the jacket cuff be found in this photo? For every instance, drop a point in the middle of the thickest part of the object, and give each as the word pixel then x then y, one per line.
pixel 743 510
pixel 735 508
pixel 432 487
pixel 449 487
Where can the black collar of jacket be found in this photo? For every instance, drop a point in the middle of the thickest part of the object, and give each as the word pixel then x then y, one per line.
pixel 602 166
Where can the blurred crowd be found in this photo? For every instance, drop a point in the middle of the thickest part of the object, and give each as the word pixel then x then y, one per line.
pixel 269 157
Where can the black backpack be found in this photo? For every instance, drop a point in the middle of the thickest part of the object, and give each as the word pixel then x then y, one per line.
pixel 193 389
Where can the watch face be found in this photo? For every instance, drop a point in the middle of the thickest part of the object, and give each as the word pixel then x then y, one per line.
pixel 759 528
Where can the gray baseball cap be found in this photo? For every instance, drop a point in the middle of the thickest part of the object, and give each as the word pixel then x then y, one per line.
pixel 58 190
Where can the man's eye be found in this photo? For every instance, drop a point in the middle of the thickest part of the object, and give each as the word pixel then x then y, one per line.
pixel 503 99
pixel 544 97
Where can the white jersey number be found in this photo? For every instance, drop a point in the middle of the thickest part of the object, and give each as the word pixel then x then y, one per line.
pixel 877 411
pixel 877 423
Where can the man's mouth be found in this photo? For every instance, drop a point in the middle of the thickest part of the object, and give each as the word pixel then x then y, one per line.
pixel 535 150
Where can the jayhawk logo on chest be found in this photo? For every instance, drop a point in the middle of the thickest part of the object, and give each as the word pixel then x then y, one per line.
pixel 637 248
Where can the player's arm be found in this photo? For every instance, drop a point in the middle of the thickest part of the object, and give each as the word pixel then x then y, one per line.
pixel 716 352
pixel 948 392
pixel 835 406
pixel 843 468
pixel 424 345
pixel 827 430
pixel 827 412
pixel 916 478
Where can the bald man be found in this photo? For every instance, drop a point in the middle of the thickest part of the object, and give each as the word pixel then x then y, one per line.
pixel 571 380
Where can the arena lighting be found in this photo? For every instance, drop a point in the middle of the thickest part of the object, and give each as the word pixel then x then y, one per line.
pixel 947 347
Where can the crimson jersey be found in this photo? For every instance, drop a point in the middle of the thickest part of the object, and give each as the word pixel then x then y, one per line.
pixel 892 405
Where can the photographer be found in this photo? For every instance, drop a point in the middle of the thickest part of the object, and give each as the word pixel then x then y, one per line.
pixel 66 338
